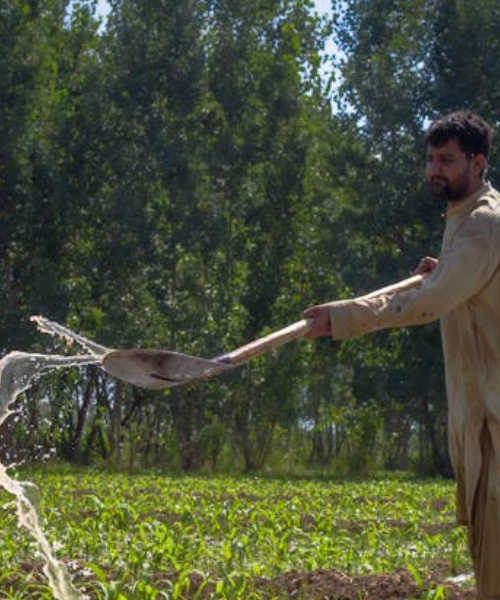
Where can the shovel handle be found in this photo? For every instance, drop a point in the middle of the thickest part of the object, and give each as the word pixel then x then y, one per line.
pixel 266 343
pixel 404 284
pixel 300 328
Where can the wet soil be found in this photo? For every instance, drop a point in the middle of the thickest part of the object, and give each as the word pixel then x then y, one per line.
pixel 323 584
pixel 334 585
pixel 327 584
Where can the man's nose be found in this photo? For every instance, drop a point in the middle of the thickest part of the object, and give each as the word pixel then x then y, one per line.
pixel 433 168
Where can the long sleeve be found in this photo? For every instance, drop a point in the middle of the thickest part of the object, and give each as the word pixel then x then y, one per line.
pixel 470 256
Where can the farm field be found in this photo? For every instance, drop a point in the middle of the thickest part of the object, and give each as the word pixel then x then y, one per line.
pixel 156 536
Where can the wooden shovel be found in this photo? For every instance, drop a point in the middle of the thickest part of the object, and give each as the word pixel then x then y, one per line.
pixel 158 369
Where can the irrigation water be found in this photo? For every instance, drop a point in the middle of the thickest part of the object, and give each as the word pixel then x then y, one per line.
pixel 18 370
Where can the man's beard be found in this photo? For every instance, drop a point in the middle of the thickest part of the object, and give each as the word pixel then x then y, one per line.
pixel 441 188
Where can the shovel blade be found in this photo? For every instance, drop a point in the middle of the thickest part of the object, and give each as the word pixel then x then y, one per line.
pixel 159 369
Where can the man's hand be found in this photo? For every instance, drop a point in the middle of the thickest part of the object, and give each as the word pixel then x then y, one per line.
pixel 426 265
pixel 320 317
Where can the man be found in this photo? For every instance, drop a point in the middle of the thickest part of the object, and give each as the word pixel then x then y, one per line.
pixel 462 289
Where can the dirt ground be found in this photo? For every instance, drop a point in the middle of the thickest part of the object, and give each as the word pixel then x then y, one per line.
pixel 335 585
pixel 318 585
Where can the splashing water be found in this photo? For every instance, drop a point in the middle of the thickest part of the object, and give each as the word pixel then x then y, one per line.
pixel 51 327
pixel 17 371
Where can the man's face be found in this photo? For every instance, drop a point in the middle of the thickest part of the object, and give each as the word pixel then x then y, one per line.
pixel 451 173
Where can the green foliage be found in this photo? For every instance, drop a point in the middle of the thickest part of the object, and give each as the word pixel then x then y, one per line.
pixel 156 536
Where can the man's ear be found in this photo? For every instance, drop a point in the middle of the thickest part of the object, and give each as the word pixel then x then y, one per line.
pixel 480 164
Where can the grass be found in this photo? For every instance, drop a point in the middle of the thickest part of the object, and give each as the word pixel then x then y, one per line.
pixel 155 536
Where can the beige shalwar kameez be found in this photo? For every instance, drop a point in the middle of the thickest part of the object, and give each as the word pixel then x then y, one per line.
pixel 464 293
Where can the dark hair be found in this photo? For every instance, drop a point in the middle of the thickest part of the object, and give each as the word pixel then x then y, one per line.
pixel 474 134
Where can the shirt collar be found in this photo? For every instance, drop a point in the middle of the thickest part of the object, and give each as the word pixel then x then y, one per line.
pixel 464 206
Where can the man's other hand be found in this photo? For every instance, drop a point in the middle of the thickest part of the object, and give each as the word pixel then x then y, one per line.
pixel 426 265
